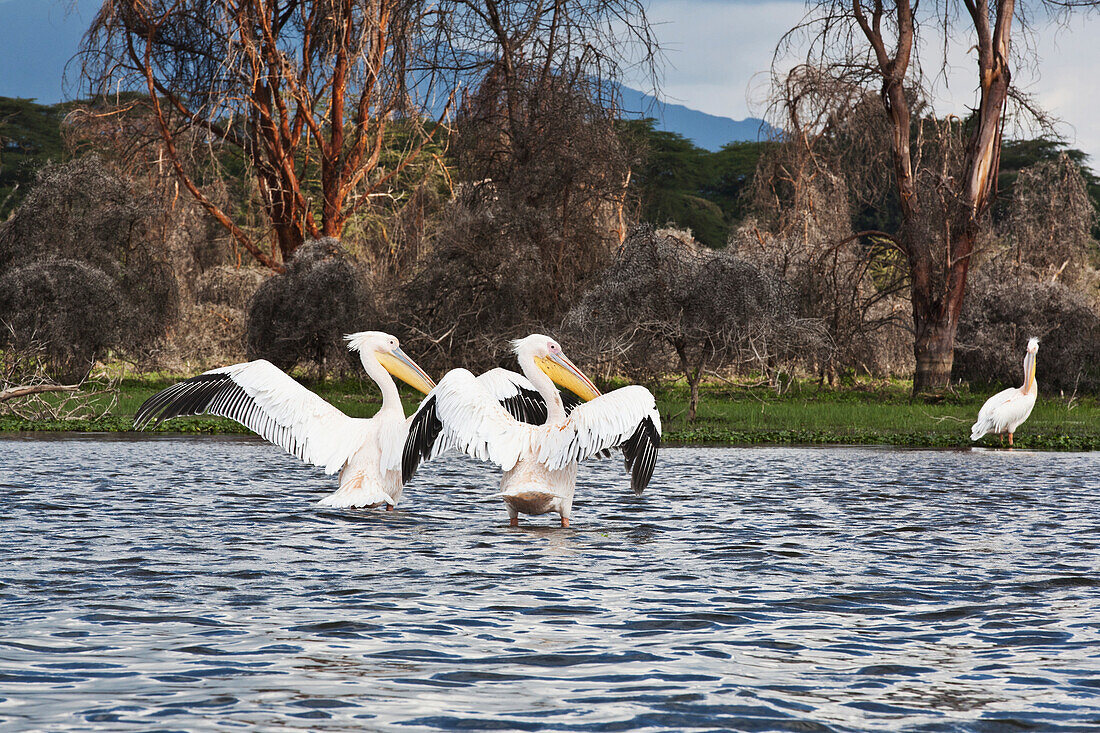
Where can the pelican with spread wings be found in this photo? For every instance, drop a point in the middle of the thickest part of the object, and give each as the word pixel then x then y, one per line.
pixel 263 398
pixel 490 418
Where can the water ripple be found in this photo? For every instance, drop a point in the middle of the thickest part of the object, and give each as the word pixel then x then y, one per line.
pixel 183 583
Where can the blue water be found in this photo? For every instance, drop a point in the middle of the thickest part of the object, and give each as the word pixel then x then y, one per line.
pixel 190 583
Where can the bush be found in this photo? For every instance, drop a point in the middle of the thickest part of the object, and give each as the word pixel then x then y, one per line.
pixel 302 315
pixel 66 308
pixel 1002 311
pixel 229 286
pixel 83 212
pixel 668 303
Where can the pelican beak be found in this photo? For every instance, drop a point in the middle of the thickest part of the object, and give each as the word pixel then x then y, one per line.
pixel 401 366
pixel 565 373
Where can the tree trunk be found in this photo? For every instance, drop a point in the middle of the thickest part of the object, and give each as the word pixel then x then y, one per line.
pixel 934 349
pixel 693 401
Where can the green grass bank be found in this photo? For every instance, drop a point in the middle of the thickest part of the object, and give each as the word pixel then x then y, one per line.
pixel 879 413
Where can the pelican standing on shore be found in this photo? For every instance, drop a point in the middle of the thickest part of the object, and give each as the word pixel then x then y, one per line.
pixel 474 415
pixel 1005 411
pixel 263 398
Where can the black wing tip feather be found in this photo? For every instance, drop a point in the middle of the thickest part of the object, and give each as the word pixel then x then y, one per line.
pixel 189 397
pixel 640 454
pixel 423 431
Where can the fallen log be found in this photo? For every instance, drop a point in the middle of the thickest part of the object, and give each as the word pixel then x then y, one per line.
pixel 30 389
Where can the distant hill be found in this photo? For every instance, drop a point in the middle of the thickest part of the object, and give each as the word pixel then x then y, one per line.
pixel 707 131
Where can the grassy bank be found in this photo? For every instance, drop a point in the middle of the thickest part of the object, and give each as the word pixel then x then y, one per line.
pixel 869 414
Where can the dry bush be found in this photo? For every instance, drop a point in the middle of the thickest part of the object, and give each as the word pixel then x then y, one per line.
pixel 229 286
pixel 854 286
pixel 83 212
pixel 1004 308
pixel 487 284
pixel 534 219
pixel 302 315
pixel 1050 221
pixel 669 304
pixel 67 310
pixel 207 335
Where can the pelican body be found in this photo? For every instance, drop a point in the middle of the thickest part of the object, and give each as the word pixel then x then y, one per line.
pixel 263 398
pixel 1005 411
pixel 489 418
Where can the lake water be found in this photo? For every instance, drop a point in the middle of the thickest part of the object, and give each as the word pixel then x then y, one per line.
pixel 190 583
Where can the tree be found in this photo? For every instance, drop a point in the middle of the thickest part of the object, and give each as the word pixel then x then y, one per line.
pixel 859 48
pixel 306 93
pixel 667 302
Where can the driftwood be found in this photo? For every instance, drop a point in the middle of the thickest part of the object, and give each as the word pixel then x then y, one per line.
pixel 25 390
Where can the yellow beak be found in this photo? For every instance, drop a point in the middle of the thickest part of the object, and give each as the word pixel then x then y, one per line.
pixel 401 366
pixel 565 373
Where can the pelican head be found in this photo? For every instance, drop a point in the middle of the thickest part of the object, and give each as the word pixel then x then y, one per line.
pixel 386 350
pixel 548 357
pixel 1029 364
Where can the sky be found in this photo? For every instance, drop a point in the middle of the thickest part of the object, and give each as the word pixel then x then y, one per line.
pixel 717 56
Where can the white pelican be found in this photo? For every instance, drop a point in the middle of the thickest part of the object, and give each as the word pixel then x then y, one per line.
pixel 484 418
pixel 1005 411
pixel 263 398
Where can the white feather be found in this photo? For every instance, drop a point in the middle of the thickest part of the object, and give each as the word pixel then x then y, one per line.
pixel 598 425
pixel 1004 412
pixel 289 415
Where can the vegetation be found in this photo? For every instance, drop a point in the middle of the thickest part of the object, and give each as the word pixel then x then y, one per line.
pixel 862 412
pixel 30 137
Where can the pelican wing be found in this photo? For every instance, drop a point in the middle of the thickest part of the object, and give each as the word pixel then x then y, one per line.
pixel 266 400
pixel 626 418
pixel 464 412
pixel 513 391
pixel 1002 412
pixel 519 397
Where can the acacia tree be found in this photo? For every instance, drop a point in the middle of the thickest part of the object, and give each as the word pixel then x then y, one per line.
pixel 668 304
pixel 305 92
pixel 861 47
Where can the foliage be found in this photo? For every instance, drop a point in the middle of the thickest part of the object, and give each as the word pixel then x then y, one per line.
pixel 301 316
pixel 1009 304
pixel 30 137
pixel 83 212
pixel 665 300
pixel 680 185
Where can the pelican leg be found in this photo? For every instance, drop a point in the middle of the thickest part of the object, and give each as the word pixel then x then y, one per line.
pixel 1010 440
pixel 565 521
pixel 513 522
pixel 389 507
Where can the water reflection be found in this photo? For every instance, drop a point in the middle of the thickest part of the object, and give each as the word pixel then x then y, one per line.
pixel 191 583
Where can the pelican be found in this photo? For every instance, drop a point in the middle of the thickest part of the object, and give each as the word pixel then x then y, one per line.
pixel 1005 411
pixel 488 418
pixel 263 398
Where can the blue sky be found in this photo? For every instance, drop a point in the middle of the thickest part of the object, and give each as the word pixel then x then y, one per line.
pixel 717 57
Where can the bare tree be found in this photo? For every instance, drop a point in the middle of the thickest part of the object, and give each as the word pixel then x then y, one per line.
pixel 861 47
pixel 667 303
pixel 803 229
pixel 309 95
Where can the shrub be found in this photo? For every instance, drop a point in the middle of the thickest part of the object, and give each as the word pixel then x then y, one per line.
pixel 67 308
pixel 82 211
pixel 1002 311
pixel 302 315
pixel 668 302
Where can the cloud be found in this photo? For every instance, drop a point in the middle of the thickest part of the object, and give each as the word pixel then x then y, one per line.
pixel 719 54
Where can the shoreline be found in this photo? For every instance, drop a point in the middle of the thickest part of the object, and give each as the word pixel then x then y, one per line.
pixel 867 414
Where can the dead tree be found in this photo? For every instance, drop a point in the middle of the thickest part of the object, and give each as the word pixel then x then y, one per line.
pixel 861 47
pixel 668 304
pixel 308 95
